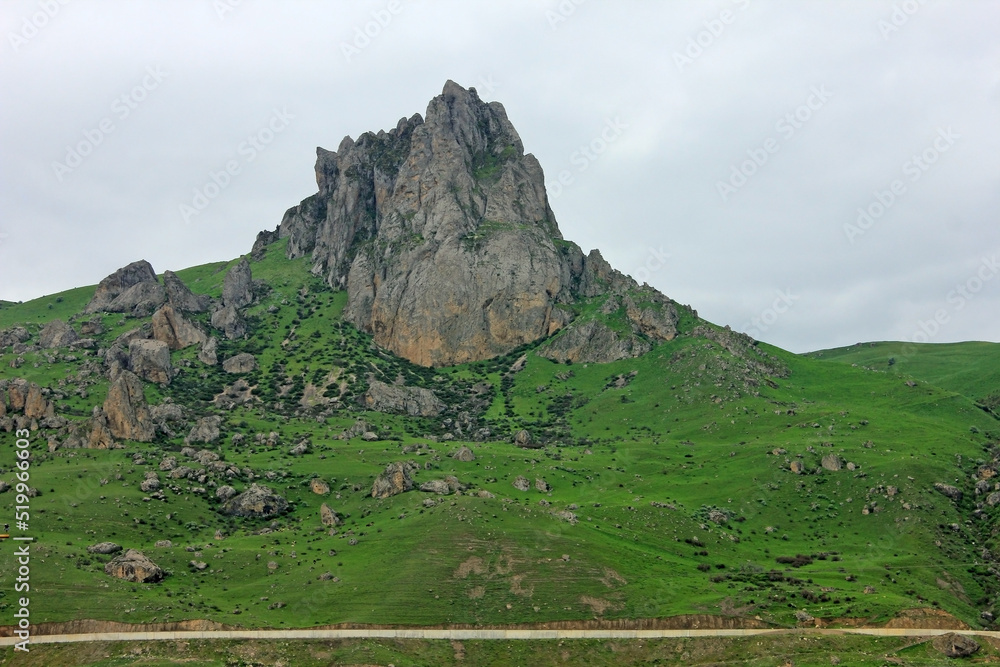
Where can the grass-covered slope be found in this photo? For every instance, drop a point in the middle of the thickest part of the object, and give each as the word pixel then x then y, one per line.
pixel 971 369
pixel 671 482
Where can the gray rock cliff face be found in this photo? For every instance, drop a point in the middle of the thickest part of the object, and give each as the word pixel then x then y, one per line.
pixel 57 334
pixel 171 327
pixel 118 283
pixel 124 413
pixel 399 399
pixel 441 233
pixel 182 298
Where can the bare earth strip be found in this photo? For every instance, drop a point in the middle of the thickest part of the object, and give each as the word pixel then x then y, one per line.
pixel 429 633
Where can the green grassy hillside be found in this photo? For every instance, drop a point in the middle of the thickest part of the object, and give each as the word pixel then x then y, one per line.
pixel 671 482
pixel 971 369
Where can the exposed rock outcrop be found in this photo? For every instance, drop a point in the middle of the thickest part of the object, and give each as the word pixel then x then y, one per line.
pixel 172 328
pixel 125 413
pixel 206 430
pixel 400 399
pixel 954 645
pixel 395 479
pixel 832 462
pixel 228 320
pixel 257 502
pixel 134 566
pixel 57 334
pixel 13 336
pixel 36 405
pixel 240 363
pixel 463 453
pixel 408 220
pixel 328 517
pixel 150 360
pixel 949 491
pixel 118 283
pixel 182 298
pixel 104 548
pixel 593 341
pixel 207 354
pixel 237 287
pixel 238 393
pixel 523 439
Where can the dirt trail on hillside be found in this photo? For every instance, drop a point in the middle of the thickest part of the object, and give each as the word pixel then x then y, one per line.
pixel 906 619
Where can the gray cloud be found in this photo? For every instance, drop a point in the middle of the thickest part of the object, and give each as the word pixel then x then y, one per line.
pixel 649 198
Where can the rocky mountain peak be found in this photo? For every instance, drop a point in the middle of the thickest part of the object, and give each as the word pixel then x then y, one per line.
pixel 441 232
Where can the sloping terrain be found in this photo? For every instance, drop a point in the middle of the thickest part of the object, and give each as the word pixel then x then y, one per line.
pixel 971 369
pixel 707 476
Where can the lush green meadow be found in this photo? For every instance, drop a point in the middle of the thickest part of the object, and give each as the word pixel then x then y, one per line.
pixel 671 483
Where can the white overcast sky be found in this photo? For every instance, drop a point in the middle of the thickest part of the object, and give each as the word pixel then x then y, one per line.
pixel 685 91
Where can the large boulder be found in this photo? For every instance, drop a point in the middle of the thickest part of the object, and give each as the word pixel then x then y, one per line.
pixel 949 491
pixel 57 334
pixel 134 566
pixel 832 462
pixel 125 412
pixel 257 502
pixel 119 282
pixel 13 336
pixel 182 298
pixel 237 286
pixel 206 430
pixel 228 320
pixel 395 479
pixel 523 439
pixel 464 454
pixel 328 517
pixel 954 645
pixel 150 360
pixel 400 399
pixel 104 548
pixel 139 300
pixel 208 353
pixel 438 486
pixel 36 405
pixel 172 328
pixel 17 393
pixel 240 363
